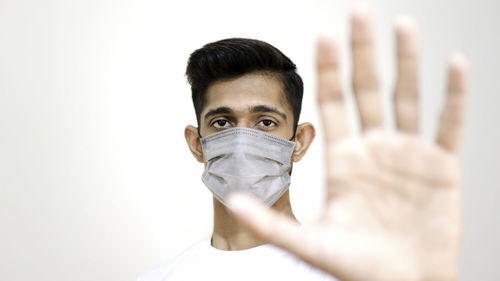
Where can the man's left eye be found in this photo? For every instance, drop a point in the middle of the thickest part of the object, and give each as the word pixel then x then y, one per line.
pixel 267 123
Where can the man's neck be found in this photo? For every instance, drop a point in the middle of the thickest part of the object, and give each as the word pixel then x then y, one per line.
pixel 229 235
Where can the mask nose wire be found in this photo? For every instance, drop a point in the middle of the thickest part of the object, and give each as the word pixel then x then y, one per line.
pixel 291 139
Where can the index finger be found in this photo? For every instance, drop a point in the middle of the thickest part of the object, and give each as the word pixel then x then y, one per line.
pixel 364 76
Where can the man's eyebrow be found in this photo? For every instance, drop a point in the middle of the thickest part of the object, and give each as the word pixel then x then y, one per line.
pixel 265 108
pixel 219 110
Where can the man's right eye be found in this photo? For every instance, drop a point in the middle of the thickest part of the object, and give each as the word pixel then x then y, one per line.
pixel 221 124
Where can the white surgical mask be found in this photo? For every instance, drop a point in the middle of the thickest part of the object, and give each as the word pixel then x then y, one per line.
pixel 247 160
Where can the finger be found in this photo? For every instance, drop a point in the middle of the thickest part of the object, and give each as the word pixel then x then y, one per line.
pixel 330 100
pixel 365 83
pixel 452 116
pixel 270 226
pixel 406 91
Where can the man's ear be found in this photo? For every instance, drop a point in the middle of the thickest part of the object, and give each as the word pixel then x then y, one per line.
pixel 303 138
pixel 193 141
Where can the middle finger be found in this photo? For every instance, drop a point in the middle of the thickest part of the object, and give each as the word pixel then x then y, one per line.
pixel 365 84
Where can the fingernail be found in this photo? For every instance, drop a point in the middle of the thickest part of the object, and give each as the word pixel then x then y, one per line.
pixel 405 23
pixel 458 59
pixel 236 202
pixel 361 8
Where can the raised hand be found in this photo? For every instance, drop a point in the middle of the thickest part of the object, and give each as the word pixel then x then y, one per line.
pixel 393 210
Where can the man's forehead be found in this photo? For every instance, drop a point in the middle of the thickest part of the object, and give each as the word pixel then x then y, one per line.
pixel 247 93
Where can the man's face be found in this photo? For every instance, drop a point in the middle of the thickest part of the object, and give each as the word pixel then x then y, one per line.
pixel 255 101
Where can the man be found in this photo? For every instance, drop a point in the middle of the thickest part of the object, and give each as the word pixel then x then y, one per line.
pixel 393 199
pixel 247 97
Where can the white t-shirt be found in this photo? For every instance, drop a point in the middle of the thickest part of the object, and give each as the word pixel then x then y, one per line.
pixel 266 262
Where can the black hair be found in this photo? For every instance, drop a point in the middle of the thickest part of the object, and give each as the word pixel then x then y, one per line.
pixel 235 57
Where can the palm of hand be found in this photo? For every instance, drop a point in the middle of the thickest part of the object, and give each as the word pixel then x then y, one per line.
pixel 393 210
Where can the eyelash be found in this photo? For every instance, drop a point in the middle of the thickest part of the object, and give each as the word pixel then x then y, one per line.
pixel 215 123
pixel 273 124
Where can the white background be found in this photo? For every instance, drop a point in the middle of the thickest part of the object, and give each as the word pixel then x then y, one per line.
pixel 96 181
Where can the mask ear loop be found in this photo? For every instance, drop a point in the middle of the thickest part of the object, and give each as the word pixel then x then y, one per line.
pixel 292 139
pixel 294 132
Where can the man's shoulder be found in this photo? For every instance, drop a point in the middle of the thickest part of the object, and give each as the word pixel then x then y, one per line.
pixel 185 261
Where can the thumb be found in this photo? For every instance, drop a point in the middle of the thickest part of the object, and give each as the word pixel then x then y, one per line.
pixel 269 225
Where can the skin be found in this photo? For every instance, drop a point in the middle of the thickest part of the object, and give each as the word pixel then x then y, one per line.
pixel 255 101
pixel 393 209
